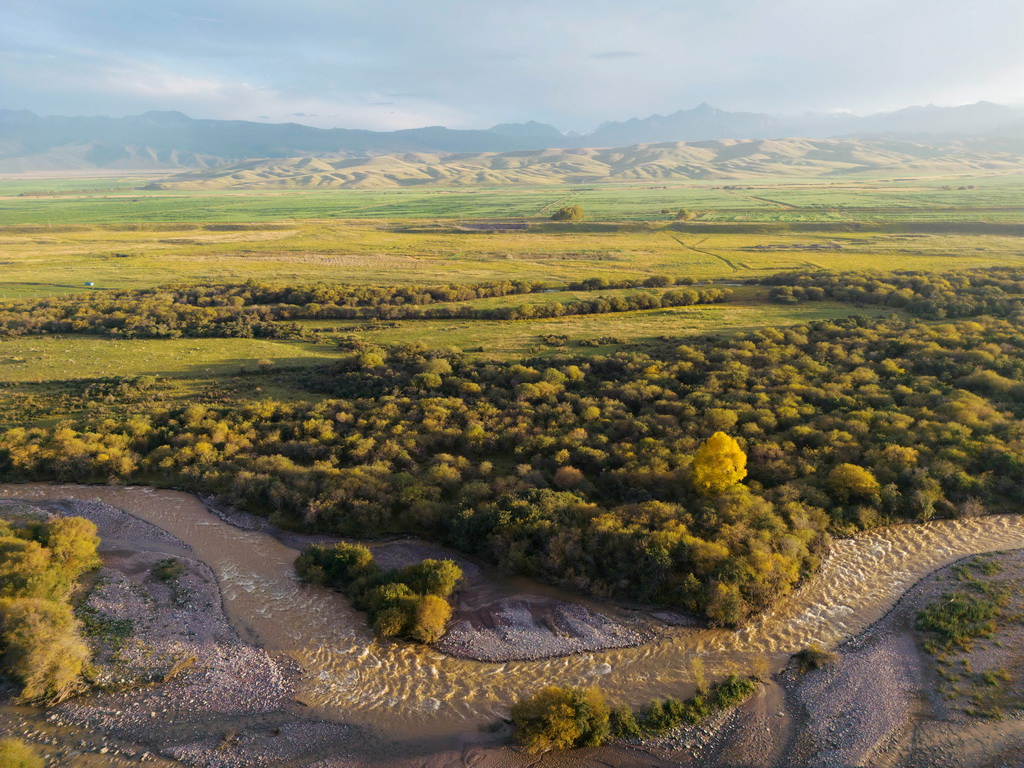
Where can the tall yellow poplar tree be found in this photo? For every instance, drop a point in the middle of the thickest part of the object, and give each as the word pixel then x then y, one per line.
pixel 718 464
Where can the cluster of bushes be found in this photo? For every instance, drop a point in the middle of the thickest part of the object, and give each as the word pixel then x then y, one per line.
pixel 410 602
pixel 40 638
pixel 564 718
pixel 249 310
pixel 994 291
pixel 580 471
pixel 604 283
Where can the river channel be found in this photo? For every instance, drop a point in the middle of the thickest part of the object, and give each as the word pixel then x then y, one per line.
pixel 349 676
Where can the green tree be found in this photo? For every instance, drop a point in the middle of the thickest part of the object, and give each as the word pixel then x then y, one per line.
pixel 718 464
pixel 432 577
pixel 848 481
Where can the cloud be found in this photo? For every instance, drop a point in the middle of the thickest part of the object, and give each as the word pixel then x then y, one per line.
pixel 576 63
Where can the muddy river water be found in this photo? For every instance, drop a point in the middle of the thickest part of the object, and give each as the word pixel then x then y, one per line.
pixel 349 676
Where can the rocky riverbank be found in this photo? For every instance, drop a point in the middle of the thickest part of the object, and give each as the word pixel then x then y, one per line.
pixel 172 679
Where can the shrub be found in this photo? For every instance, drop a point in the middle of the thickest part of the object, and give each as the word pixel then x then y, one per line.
pixel 390 622
pixel 660 717
pixel 623 724
pixel 168 569
pixel 561 718
pixel 731 692
pixel 813 657
pixel 961 617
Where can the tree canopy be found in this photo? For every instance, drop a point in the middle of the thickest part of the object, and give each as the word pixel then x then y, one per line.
pixel 718 464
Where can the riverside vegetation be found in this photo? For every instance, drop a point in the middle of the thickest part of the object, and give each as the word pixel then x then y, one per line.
pixel 563 718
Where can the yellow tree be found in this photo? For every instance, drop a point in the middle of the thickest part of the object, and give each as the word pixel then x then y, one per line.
pixel 718 464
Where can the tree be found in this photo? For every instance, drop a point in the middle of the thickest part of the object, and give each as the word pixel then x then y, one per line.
pixel 568 213
pixel 433 577
pixel 718 464
pixel 26 570
pixel 685 215
pixel 567 477
pixel 849 481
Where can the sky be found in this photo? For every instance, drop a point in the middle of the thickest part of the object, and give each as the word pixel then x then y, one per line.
pixel 390 64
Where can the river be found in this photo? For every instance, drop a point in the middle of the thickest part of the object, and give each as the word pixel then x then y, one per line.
pixel 403 688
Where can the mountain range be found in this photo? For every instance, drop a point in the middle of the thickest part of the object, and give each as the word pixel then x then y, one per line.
pixel 172 140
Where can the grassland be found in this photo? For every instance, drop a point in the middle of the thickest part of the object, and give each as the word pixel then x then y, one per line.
pixel 55 358
pixel 515 339
pixel 41 261
pixel 62 202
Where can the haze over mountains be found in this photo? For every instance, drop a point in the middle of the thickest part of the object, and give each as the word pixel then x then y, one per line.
pixel 171 140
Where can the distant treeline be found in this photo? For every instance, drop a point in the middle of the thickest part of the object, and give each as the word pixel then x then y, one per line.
pixel 254 310
pixel 994 291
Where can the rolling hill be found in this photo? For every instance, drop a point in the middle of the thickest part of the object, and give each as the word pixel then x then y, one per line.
pixel 723 159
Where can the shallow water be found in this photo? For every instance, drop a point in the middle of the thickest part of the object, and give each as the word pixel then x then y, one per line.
pixel 405 689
